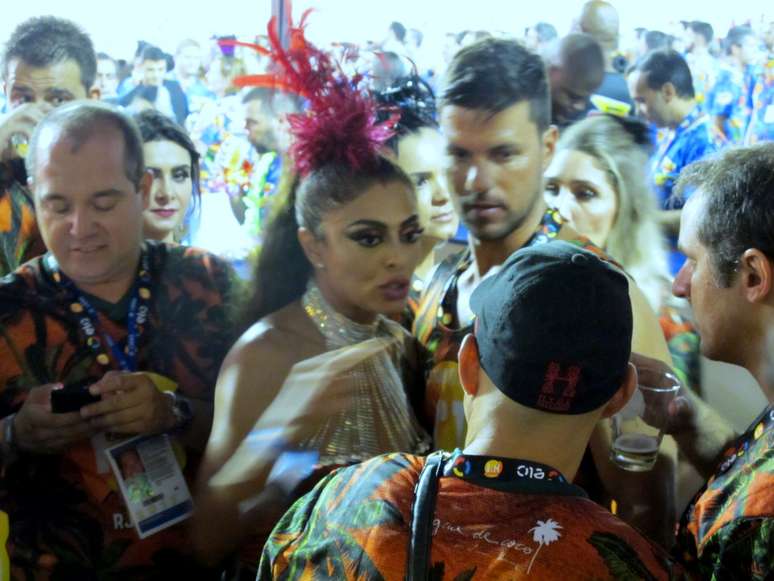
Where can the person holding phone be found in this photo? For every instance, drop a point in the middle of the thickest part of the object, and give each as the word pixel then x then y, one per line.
pixel 140 326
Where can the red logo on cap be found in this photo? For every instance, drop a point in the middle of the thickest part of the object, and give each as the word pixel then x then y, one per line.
pixel 549 399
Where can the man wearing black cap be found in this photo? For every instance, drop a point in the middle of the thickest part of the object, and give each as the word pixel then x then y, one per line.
pixel 495 117
pixel 549 358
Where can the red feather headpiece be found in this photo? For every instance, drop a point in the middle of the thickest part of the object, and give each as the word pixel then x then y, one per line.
pixel 340 123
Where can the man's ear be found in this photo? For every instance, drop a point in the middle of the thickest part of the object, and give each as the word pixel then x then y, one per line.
pixel 146 184
pixel 756 275
pixel 469 366
pixel 624 393
pixel 549 138
pixel 312 247
pixel 668 92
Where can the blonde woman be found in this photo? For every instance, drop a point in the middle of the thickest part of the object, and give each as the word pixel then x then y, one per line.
pixel 597 180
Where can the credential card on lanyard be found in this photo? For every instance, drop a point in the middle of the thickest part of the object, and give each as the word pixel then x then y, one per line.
pixel 151 483
pixel 100 443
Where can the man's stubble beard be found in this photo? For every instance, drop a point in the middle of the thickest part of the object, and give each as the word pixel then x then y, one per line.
pixel 514 222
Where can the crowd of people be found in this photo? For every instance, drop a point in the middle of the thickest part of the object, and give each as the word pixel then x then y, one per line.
pixel 271 310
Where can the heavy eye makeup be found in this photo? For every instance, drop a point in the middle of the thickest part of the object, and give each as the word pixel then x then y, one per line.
pixel 369 233
pixel 411 231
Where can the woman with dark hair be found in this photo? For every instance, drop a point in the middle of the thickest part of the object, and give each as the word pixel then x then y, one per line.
pixel 323 370
pixel 172 159
pixel 417 147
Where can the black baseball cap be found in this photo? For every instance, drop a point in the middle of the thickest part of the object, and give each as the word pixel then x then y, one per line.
pixel 554 328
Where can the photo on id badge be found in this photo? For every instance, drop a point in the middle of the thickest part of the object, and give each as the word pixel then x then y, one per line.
pixel 151 483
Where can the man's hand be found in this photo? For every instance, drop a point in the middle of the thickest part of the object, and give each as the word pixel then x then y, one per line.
pixel 21 121
pixel 682 413
pixel 700 432
pixel 40 431
pixel 131 404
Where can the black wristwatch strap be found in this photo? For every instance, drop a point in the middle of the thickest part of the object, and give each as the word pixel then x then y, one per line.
pixel 422 512
pixel 9 446
pixel 181 408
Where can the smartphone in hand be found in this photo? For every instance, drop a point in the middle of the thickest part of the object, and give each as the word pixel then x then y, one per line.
pixel 72 397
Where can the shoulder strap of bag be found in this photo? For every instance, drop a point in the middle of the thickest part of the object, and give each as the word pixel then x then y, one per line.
pixel 422 512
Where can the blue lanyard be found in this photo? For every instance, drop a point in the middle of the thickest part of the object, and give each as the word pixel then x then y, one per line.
pixel 88 322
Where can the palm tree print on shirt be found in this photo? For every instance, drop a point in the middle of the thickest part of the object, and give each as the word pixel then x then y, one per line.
pixel 544 533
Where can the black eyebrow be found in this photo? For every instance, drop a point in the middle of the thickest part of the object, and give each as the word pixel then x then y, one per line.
pixel 368 223
pixel 174 167
pixel 21 89
pixel 414 218
pixel 502 147
pixel 421 174
pixel 56 92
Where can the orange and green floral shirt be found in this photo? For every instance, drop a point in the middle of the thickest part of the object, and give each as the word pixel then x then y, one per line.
pixel 727 531
pixel 19 236
pixel 67 517
pixel 494 518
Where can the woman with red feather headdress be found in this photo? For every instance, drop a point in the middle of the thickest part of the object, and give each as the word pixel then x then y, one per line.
pixel 321 379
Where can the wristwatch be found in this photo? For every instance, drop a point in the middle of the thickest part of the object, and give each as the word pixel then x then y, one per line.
pixel 182 410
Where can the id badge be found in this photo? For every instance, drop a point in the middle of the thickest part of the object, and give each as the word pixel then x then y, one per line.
pixel 100 443
pixel 151 483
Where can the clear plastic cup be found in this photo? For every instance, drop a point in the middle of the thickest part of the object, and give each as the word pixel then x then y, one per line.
pixel 639 427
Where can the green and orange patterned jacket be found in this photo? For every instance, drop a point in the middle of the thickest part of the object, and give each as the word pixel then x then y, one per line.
pixel 67 519
pixel 19 236
pixel 727 531
pixel 355 525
